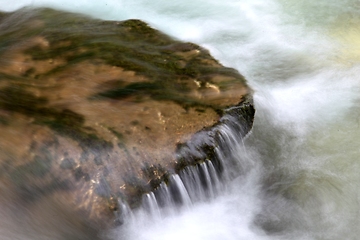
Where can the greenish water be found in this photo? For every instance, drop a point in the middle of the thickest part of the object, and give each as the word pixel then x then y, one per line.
pixel 302 159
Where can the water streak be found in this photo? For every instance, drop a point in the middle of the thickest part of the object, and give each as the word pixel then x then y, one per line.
pixel 296 176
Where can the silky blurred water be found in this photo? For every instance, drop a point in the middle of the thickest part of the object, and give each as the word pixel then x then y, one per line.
pixel 302 58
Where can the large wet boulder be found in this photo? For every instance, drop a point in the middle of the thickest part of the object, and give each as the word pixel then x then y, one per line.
pixel 94 111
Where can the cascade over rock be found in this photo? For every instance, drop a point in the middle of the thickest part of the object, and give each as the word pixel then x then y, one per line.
pixel 94 111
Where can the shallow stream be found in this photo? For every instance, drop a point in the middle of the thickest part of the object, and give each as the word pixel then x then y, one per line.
pixel 299 176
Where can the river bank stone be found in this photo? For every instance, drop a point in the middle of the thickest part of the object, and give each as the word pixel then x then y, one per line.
pixel 94 111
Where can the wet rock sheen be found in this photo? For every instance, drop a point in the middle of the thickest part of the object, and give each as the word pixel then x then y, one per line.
pixel 94 111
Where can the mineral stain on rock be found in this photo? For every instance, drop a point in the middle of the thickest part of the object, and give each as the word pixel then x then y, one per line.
pixel 94 110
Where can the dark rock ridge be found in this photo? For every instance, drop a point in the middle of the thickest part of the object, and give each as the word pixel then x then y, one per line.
pixel 93 111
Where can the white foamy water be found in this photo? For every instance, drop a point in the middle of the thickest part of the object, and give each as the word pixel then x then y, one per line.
pixel 302 58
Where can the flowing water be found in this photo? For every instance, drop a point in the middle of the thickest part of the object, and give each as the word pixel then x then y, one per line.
pixel 298 171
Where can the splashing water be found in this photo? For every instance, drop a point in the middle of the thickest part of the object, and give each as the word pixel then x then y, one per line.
pixel 300 165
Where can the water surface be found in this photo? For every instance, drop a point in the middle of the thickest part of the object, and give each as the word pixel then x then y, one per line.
pixel 302 158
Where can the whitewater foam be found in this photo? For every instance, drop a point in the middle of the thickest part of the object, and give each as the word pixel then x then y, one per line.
pixel 301 176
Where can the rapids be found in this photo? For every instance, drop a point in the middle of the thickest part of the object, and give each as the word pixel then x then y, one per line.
pixel 299 175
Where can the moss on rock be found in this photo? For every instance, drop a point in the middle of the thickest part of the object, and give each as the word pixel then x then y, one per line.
pixel 94 110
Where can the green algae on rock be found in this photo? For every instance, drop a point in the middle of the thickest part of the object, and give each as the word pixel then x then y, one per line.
pixel 92 111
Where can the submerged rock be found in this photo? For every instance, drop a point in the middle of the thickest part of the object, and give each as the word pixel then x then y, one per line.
pixel 94 111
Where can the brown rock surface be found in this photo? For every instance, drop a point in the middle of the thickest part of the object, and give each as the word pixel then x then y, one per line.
pixel 87 107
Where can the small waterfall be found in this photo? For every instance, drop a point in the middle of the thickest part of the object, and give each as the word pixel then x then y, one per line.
pixel 201 193
pixel 151 204
pixel 302 60
pixel 206 179
pixel 201 181
pixel 192 184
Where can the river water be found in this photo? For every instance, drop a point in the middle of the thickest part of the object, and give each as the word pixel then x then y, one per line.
pixel 300 166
